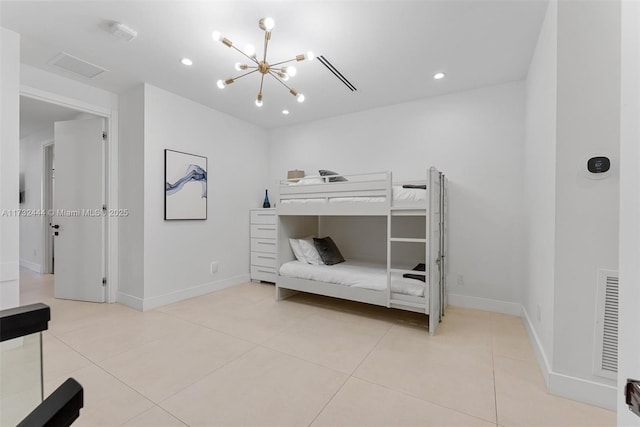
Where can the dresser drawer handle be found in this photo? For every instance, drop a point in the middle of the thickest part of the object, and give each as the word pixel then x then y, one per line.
pixel 266 257
pixel 266 229
pixel 265 271
pixel 266 243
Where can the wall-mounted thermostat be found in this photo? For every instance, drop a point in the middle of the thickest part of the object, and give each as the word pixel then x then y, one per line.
pixel 598 167
pixel 598 164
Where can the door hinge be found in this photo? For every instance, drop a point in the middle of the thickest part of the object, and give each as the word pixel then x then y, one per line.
pixel 104 136
pixel 104 281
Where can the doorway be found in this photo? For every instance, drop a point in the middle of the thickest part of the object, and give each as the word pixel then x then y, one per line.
pixel 42 240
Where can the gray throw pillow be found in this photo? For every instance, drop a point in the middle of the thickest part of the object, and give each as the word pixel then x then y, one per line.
pixel 328 251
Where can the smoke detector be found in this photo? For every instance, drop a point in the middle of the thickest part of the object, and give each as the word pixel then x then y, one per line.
pixel 122 31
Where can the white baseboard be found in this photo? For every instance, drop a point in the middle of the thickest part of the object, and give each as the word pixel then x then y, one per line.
pixel 129 300
pixel 591 392
pixel 574 388
pixel 144 304
pixel 497 306
pixel 538 350
pixel 31 266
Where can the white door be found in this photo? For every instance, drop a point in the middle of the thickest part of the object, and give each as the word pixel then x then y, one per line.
pixel 78 215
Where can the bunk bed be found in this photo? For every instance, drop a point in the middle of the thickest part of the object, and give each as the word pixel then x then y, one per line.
pixel 300 206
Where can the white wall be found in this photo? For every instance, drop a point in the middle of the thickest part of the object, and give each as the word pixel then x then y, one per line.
pixel 588 114
pixel 476 138
pixel 628 337
pixel 540 186
pixel 177 254
pixel 31 170
pixel 9 167
pixel 131 184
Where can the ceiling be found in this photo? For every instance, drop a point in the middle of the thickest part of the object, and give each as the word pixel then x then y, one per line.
pixel 388 49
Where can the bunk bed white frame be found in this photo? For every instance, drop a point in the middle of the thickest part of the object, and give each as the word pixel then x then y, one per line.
pixel 300 219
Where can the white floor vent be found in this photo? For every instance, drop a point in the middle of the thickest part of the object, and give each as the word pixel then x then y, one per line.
pixel 606 339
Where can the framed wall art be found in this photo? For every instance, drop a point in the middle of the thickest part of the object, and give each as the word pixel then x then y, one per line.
pixel 185 186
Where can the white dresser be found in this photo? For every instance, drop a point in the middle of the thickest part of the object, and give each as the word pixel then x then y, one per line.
pixel 263 245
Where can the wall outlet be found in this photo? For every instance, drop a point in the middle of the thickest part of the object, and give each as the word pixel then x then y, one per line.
pixel 214 267
pixel 538 312
pixel 460 279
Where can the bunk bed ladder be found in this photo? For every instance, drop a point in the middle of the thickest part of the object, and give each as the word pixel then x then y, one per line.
pixel 432 249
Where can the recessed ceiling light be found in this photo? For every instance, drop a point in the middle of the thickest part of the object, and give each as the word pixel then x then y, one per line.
pixel 186 61
pixel 285 112
pixel 438 76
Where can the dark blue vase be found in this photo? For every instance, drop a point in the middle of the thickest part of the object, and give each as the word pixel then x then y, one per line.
pixel 266 203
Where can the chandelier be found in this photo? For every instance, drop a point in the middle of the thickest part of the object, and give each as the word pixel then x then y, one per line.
pixel 276 70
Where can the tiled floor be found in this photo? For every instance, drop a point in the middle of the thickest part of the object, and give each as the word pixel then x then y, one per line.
pixel 238 357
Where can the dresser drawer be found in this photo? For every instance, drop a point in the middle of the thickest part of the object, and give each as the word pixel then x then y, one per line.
pixel 263 245
pixel 263 231
pixel 263 259
pixel 263 217
pixel 268 274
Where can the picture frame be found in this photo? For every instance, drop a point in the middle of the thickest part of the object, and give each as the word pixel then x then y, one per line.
pixel 185 186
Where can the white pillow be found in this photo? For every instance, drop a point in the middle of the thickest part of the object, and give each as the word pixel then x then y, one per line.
pixel 309 180
pixel 310 252
pixel 297 250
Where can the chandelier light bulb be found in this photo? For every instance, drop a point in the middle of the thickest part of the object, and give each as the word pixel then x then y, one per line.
pixel 186 61
pixel 238 66
pixel 221 84
pixel 291 71
pixel 300 97
pixel 284 76
pixel 269 23
pixel 216 36
pixel 249 50
pixel 258 103
pixel 309 56
pixel 438 76
pixel 285 112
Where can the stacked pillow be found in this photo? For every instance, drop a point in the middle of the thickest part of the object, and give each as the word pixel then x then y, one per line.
pixel 314 251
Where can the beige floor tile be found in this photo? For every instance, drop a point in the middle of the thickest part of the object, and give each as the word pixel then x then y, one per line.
pixel 510 339
pixel 154 417
pixel 522 400
pixel 251 291
pixel 460 379
pixel 359 403
pixel 340 342
pixel 258 322
pixel 262 388
pixel 160 368
pixel 67 315
pixel 115 335
pixel 59 359
pixel 107 401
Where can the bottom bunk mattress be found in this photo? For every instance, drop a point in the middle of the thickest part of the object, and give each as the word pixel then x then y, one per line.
pixel 355 274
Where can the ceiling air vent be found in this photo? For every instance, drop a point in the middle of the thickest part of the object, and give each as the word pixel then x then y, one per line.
pixel 76 66
pixel 336 73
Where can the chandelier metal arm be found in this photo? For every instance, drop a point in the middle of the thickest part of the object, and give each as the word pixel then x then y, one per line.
pixel 271 73
pixel 267 37
pixel 245 74
pixel 250 57
pixel 283 62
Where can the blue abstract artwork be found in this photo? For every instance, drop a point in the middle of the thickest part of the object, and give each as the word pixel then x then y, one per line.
pixel 185 186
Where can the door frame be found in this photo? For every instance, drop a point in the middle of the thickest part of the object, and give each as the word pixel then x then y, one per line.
pixel 47 203
pixel 110 174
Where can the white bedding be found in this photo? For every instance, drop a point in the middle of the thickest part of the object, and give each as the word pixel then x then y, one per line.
pixel 400 194
pixel 355 274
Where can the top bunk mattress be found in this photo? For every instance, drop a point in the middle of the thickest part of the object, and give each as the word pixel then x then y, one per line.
pixel 400 195
pixel 356 274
